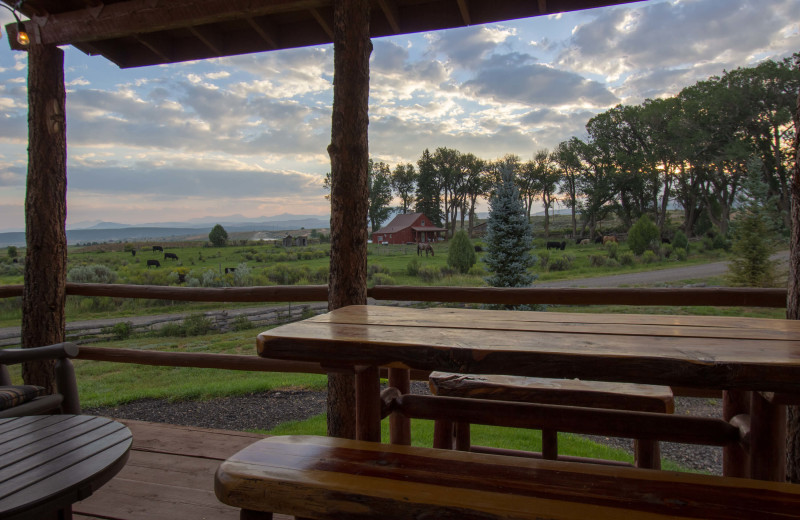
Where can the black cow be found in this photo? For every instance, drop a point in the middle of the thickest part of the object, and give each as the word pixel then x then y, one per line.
pixel 598 240
pixel 153 263
pixel 556 245
pixel 158 248
pixel 133 252
pixel 170 255
pixel 230 270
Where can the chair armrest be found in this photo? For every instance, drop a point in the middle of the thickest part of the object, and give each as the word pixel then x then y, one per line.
pixel 57 351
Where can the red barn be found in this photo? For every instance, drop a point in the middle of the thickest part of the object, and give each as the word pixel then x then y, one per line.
pixel 408 227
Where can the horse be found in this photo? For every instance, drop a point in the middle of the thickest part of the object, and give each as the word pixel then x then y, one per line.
pixel 424 246
pixel 610 238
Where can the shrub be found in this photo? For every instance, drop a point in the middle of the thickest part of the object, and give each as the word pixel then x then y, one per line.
pixel 544 259
pixel 374 269
pixel 665 251
pixel 12 252
pixel 597 260
pixel 720 242
pixel 95 273
pixel 412 268
pixel 477 270
pixel 612 262
pixel 649 257
pixel 681 255
pixel 680 241
pixel 241 323
pixel 643 235
pixel 383 279
pixel 196 325
pixel 612 248
pixel 429 274
pixel 461 253
pixel 563 263
pixel 626 258
pixel 119 331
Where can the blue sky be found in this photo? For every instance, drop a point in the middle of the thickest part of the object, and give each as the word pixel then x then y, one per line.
pixel 248 134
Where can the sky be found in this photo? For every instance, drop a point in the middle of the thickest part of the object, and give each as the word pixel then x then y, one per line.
pixel 247 135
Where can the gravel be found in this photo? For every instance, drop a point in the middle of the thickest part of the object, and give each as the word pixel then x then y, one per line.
pixel 265 410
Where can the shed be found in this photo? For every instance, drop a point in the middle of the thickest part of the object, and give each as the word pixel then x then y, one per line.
pixel 287 241
pixel 408 227
pixel 301 240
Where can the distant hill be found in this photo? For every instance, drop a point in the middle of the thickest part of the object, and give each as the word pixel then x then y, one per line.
pixel 174 231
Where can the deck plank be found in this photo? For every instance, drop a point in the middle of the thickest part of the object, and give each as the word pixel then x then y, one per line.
pixel 169 475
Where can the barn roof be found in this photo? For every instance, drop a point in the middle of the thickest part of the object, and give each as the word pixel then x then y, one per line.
pixel 135 33
pixel 400 222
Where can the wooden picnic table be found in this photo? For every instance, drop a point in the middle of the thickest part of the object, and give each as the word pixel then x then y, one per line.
pixel 733 354
pixel 49 462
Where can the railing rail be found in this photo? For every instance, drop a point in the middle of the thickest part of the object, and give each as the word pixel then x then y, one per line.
pixel 711 296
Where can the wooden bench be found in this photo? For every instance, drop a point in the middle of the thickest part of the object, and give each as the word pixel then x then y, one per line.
pixel 327 478
pixel 566 392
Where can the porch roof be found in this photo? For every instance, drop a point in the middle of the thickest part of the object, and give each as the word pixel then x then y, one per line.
pixel 135 33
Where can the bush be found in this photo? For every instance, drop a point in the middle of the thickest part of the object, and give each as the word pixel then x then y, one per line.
pixel 95 273
pixel 412 268
pixel 241 323
pixel 544 259
pixel 12 251
pixel 374 269
pixel 461 253
pixel 612 248
pixel 563 263
pixel 649 257
pixel 383 279
pixel 681 255
pixel 597 260
pixel 665 251
pixel 626 258
pixel 680 241
pixel 643 235
pixel 477 270
pixel 720 242
pixel 429 274
pixel 119 331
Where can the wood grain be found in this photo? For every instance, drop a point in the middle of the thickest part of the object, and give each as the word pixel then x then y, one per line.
pixel 327 478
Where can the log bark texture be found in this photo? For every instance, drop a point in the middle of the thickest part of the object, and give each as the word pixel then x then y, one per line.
pixel 349 153
pixel 44 294
pixel 793 303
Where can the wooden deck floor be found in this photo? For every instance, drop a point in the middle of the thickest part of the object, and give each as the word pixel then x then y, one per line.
pixel 169 475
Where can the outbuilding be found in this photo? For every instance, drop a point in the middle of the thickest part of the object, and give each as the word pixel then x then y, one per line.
pixel 408 227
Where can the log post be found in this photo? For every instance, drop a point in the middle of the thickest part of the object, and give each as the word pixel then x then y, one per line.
pixel 44 293
pixel 349 153
pixel 735 457
pixel 767 439
pixel 793 302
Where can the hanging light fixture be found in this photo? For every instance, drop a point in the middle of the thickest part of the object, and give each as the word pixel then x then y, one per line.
pixel 22 35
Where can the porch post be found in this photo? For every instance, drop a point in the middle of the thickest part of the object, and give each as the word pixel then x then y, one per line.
pixel 349 153
pixel 44 293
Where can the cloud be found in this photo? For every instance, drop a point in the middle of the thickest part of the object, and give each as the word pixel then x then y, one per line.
pixel 467 47
pixel 512 78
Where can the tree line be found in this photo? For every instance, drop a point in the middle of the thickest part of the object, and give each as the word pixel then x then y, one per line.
pixel 693 149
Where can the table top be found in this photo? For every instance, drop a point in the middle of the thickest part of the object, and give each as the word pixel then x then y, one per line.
pixel 48 462
pixel 690 351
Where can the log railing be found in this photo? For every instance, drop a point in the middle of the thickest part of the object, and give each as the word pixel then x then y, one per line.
pixel 710 296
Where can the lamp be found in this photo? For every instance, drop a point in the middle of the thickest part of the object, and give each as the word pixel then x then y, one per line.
pixel 22 35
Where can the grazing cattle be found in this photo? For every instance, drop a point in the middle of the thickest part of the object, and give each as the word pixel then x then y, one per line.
pixel 230 270
pixel 609 239
pixel 153 263
pixel 556 245
pixel 424 247
pixel 158 248
pixel 478 248
pixel 599 239
pixel 585 242
pixel 170 255
pixel 133 252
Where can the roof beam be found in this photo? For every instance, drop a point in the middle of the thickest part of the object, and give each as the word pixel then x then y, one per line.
pixel 265 30
pixel 392 14
pixel 153 47
pixel 207 40
pixel 131 17
pixel 322 22
pixel 543 6
pixel 463 7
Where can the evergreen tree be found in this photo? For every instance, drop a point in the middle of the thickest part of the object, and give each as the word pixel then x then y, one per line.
pixel 509 238
pixel 428 189
pixel 461 253
pixel 218 236
pixel 752 233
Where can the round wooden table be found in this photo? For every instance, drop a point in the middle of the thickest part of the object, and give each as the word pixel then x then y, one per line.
pixel 49 462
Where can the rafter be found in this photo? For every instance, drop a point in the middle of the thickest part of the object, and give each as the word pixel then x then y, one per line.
pixel 322 22
pixel 463 7
pixel 123 19
pixel 207 40
pixel 392 14
pixel 543 6
pixel 265 30
pixel 153 47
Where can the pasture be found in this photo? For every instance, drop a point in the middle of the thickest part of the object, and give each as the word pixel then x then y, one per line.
pixel 253 263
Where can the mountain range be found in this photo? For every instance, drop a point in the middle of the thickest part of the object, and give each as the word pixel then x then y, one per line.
pixel 102 231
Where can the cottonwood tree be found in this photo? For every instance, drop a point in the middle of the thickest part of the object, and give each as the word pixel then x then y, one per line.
pixel 509 238
pixel 380 193
pixel 547 177
pixel 218 236
pixel 428 190
pixel 404 183
pixel 569 162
